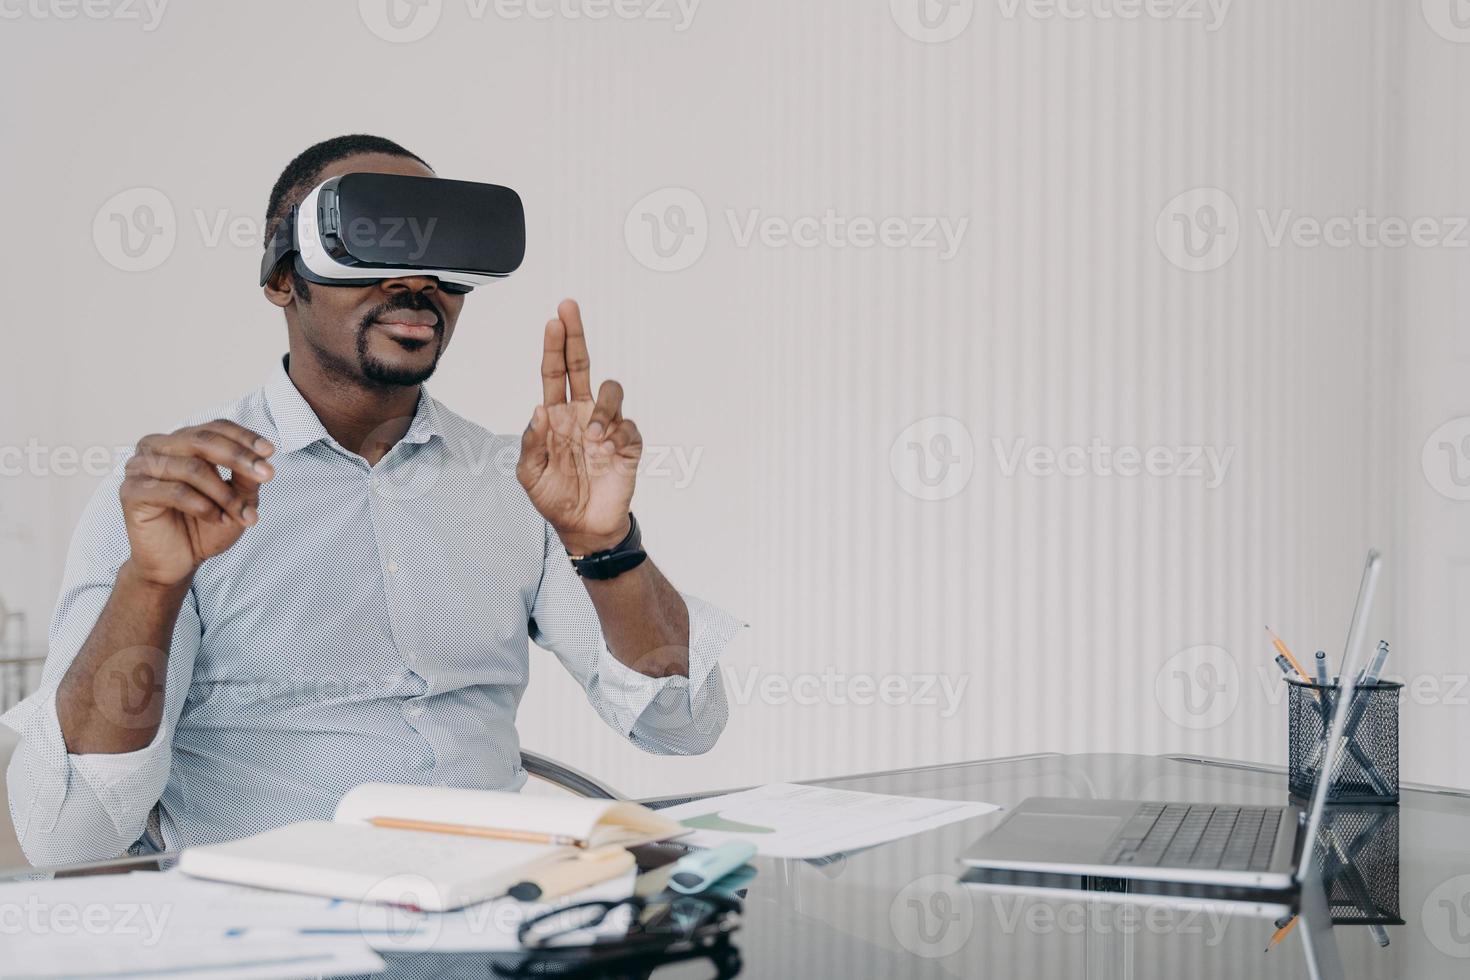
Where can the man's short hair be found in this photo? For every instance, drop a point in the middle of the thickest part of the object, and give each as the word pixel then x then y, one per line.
pixel 305 171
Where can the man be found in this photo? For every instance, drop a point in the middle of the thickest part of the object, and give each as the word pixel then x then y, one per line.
pixel 354 602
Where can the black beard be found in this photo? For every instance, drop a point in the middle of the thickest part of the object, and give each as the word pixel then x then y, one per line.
pixel 385 375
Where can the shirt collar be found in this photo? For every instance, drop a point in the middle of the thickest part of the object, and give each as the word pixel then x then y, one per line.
pixel 297 425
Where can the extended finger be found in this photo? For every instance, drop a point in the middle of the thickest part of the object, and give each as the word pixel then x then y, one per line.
pixel 609 408
pixel 626 439
pixel 554 364
pixel 189 470
pixel 248 438
pixel 168 495
pixel 212 443
pixel 579 362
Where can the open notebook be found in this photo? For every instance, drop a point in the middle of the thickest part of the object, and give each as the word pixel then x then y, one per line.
pixel 350 857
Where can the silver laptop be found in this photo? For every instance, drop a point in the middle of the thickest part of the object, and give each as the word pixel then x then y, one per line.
pixel 1197 843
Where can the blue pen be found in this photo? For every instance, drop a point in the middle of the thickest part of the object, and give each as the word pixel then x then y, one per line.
pixel 697 871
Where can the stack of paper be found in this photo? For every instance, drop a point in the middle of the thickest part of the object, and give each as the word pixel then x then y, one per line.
pixel 785 820
pixel 150 924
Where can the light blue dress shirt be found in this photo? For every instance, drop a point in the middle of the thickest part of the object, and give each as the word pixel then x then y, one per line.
pixel 373 626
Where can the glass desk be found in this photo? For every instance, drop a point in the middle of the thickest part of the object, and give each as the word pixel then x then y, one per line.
pixel 899 911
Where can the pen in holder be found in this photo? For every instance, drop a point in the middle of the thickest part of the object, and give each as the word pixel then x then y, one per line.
pixel 1368 766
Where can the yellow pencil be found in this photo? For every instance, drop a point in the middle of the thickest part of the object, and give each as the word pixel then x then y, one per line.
pixel 1281 649
pixel 1281 933
pixel 465 830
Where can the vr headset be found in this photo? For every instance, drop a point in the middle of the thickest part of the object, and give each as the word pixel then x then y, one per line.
pixel 359 229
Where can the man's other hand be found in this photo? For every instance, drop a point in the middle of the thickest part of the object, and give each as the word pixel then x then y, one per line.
pixel 179 511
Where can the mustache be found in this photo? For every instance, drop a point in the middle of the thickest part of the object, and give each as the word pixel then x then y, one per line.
pixel 405 301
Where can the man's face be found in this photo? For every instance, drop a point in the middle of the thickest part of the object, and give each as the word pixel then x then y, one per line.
pixel 387 334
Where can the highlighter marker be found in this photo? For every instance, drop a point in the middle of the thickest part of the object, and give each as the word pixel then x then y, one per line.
pixel 697 871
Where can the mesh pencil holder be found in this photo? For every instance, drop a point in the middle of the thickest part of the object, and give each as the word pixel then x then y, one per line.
pixel 1358 852
pixel 1368 767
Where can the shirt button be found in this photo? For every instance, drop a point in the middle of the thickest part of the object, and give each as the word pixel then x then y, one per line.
pixel 415 709
pixel 393 568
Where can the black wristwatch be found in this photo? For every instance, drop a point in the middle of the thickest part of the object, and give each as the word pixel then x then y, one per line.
pixel 625 555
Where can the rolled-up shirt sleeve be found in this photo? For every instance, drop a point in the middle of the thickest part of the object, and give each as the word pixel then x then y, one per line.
pixel 68 807
pixel 665 715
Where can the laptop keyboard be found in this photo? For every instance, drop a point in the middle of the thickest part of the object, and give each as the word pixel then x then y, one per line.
pixel 1181 835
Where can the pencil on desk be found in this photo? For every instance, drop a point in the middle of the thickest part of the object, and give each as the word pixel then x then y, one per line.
pixel 465 830
pixel 1281 933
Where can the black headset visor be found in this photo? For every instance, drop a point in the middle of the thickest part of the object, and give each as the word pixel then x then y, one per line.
pixel 362 228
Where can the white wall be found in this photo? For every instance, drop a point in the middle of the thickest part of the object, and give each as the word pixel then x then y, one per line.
pixel 1429 358
pixel 1059 602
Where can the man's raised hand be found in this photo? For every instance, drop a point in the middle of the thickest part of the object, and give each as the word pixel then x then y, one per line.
pixel 178 510
pixel 579 457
